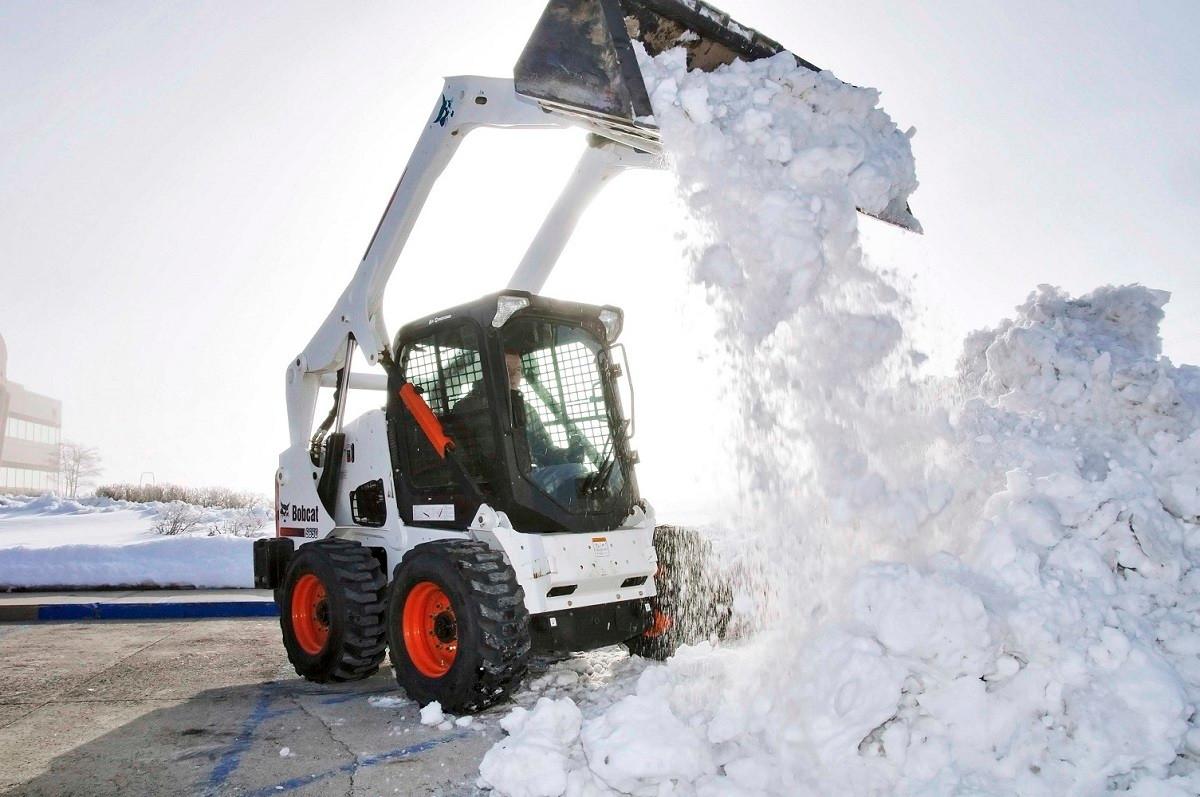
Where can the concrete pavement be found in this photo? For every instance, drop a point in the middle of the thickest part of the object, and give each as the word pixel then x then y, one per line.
pixel 210 708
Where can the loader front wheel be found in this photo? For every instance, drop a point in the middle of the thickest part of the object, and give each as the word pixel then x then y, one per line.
pixel 331 606
pixel 457 626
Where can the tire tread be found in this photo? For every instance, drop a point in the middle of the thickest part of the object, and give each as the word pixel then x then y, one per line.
pixel 502 616
pixel 362 585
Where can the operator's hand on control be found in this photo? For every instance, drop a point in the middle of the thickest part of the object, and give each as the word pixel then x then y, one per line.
pixel 576 448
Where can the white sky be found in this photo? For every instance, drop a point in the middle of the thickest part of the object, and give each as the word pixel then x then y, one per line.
pixel 186 187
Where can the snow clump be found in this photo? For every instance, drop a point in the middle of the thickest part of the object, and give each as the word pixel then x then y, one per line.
pixel 431 714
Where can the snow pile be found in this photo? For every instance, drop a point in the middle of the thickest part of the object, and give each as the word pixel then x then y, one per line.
pixel 97 542
pixel 1029 624
pixel 39 527
pixel 534 760
pixel 1059 653
pixel 202 562
pixel 22 505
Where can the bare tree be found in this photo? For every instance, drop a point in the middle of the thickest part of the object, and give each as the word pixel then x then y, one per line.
pixel 77 465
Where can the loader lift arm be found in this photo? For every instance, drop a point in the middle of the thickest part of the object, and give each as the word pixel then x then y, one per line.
pixel 465 104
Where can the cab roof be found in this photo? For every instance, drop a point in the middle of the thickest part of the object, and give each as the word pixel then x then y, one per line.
pixel 483 311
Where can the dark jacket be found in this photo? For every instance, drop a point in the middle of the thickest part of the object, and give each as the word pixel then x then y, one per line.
pixel 470 426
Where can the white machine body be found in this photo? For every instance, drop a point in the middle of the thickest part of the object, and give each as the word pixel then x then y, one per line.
pixel 596 564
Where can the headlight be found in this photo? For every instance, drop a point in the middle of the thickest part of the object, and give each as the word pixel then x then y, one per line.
pixel 613 320
pixel 506 306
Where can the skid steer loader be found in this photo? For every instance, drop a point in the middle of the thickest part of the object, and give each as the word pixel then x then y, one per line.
pixel 490 507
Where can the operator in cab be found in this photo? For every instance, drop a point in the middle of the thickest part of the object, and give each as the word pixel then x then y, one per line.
pixel 555 470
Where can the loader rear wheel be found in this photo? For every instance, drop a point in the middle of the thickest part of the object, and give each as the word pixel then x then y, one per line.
pixel 457 626
pixel 694 602
pixel 331 606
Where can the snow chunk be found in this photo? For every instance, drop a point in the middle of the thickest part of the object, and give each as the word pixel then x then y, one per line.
pixel 640 742
pixel 533 760
pixel 431 714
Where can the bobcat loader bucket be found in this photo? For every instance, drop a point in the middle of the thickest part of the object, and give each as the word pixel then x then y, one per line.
pixel 580 61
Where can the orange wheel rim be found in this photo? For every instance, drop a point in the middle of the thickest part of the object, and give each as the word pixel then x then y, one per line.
pixel 430 630
pixel 310 614
pixel 661 625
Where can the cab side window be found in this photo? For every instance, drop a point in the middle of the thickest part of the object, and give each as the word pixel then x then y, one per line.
pixel 447 369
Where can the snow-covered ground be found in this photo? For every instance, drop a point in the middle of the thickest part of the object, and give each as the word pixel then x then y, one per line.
pixel 98 542
pixel 984 585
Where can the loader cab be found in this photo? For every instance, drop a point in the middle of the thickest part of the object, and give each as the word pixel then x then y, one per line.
pixel 528 390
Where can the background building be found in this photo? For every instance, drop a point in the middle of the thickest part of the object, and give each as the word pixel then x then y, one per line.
pixel 30 433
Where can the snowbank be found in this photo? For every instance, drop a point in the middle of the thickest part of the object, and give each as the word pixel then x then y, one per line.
pixel 97 542
pixel 12 506
pixel 985 585
pixel 1058 654
pixel 207 562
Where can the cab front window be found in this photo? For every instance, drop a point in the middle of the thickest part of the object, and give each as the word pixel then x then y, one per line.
pixel 567 422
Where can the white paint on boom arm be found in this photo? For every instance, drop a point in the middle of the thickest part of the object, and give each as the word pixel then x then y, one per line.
pixel 465 103
pixel 601 161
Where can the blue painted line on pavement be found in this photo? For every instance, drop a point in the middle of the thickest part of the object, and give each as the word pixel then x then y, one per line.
pixel 156 611
pixel 335 699
pixel 280 712
pixel 283 787
pixel 232 757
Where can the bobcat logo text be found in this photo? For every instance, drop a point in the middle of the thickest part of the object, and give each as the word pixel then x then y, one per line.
pixel 303 514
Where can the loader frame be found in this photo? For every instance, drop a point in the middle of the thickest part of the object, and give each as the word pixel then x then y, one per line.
pixel 547 564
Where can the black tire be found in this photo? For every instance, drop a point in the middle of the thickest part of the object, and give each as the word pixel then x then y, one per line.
pixel 352 611
pixel 694 602
pixel 489 619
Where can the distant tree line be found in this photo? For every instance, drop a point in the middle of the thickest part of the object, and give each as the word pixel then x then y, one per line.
pixel 218 497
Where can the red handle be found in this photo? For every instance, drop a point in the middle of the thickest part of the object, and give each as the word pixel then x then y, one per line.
pixel 425 419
